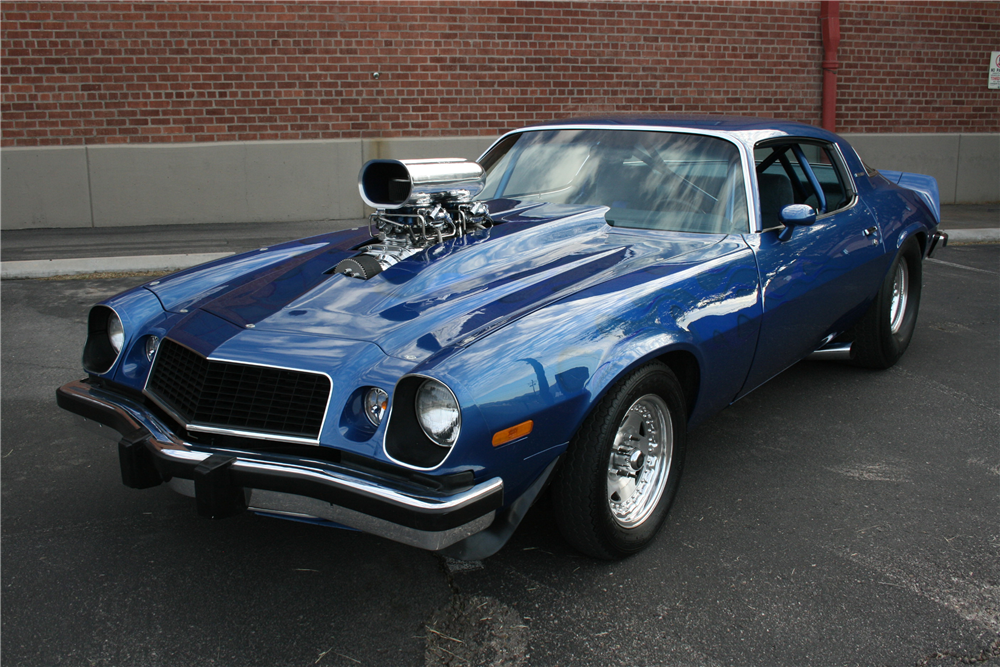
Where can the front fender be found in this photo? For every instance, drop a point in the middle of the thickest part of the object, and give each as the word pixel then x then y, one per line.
pixel 553 365
pixel 140 313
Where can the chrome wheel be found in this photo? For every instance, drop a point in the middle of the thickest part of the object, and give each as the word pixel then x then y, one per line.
pixel 900 295
pixel 640 459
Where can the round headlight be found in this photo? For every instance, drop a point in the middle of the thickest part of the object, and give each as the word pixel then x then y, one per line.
pixel 438 413
pixel 116 332
pixel 376 402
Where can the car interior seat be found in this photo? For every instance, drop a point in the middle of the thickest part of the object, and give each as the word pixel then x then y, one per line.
pixel 775 194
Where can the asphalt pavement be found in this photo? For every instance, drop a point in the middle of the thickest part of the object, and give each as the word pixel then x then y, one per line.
pixel 38 253
pixel 833 517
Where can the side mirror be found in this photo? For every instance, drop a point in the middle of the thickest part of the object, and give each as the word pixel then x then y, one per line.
pixel 795 215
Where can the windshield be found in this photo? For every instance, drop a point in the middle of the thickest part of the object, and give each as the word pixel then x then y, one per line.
pixel 649 180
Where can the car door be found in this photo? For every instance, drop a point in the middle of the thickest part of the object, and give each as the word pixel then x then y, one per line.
pixel 819 279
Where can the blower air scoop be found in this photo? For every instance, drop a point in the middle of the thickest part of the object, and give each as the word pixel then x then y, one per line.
pixel 393 184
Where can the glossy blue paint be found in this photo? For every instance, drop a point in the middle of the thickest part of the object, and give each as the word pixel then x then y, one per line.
pixel 538 317
pixel 925 186
pixel 192 288
pixel 898 210
pixel 815 284
pixel 140 313
pixel 795 215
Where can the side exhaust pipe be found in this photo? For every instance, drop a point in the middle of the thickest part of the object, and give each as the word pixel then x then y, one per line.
pixel 834 352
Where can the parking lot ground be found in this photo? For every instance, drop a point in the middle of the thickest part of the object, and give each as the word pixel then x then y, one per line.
pixel 835 516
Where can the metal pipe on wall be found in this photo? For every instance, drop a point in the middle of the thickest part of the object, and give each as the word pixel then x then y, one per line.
pixel 829 18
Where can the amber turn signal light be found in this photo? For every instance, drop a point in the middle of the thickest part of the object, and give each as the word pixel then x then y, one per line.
pixel 512 433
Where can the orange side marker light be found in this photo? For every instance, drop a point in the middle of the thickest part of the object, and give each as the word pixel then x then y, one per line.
pixel 512 433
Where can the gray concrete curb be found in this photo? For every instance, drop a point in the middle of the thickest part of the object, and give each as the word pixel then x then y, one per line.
pixel 960 236
pixel 46 268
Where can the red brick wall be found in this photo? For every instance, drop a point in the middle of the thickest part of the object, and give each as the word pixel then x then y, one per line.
pixel 917 67
pixel 108 72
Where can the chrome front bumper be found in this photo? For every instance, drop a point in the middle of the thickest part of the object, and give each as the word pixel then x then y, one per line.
pixel 225 481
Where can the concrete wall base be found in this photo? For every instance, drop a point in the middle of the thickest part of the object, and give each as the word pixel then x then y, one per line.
pixel 269 181
pixel 966 166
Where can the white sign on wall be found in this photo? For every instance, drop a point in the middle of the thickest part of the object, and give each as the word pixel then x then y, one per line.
pixel 995 70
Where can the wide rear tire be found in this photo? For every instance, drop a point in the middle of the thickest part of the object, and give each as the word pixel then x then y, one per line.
pixel 884 333
pixel 623 466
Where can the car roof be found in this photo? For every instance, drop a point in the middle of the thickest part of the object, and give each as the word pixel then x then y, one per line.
pixel 749 129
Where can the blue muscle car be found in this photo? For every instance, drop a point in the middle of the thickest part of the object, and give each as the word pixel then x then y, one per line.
pixel 552 318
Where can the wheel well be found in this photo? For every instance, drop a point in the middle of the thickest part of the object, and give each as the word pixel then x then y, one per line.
pixel 685 367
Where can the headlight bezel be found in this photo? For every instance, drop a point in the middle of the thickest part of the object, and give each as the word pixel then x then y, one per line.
pixel 101 353
pixel 406 442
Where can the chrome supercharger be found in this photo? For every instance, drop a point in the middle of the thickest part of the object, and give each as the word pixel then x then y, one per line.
pixel 418 204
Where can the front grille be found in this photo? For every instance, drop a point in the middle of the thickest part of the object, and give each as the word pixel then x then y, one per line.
pixel 235 396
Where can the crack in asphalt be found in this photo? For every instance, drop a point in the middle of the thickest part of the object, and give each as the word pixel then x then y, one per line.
pixel 474 630
pixel 986 655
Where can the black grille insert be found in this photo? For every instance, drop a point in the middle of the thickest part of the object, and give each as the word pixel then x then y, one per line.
pixel 235 396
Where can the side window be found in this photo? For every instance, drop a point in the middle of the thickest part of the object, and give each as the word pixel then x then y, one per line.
pixel 829 175
pixel 782 178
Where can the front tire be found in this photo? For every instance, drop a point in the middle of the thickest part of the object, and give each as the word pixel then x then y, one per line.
pixel 884 333
pixel 623 466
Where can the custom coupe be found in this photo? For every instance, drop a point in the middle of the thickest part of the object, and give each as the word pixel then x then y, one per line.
pixel 551 318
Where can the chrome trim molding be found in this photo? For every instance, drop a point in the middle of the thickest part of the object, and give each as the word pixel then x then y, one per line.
pixel 846 170
pixel 301 507
pixel 851 184
pixel 286 504
pixel 257 435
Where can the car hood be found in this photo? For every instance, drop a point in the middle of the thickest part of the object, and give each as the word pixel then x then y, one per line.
pixel 451 293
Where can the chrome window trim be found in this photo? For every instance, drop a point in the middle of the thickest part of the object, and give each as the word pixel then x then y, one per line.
pixel 746 154
pixel 256 435
pixel 844 172
pixel 841 167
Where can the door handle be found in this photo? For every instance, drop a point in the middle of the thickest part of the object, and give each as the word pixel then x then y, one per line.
pixel 870 231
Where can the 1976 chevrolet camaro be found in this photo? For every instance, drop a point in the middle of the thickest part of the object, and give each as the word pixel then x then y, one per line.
pixel 553 317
